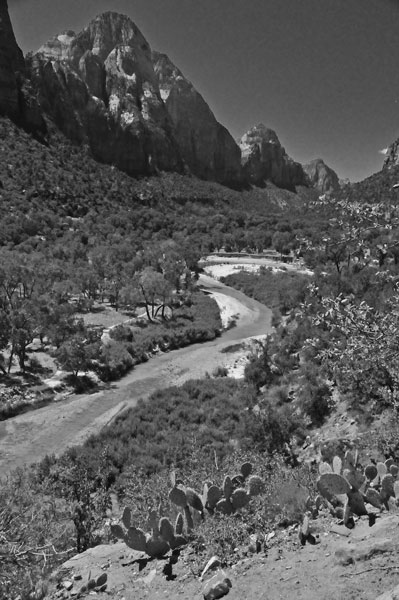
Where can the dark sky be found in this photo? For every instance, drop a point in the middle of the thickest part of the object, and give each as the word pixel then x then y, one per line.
pixel 324 74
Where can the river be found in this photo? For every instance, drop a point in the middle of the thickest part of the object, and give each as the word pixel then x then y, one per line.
pixel 27 438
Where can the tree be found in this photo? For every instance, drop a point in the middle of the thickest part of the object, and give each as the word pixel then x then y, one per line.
pixel 78 352
pixel 156 292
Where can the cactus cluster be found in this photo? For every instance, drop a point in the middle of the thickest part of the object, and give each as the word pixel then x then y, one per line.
pixel 234 494
pixel 163 537
pixel 347 488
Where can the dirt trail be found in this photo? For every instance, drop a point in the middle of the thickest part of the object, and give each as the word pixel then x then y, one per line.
pixel 51 429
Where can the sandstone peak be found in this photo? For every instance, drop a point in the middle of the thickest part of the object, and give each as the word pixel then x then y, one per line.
pixel 321 176
pixel 264 134
pixel 264 159
pixel 207 147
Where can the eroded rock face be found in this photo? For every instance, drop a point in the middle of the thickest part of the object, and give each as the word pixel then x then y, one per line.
pixel 100 88
pixel 11 64
pixel 321 176
pixel 392 155
pixel 264 159
pixel 206 146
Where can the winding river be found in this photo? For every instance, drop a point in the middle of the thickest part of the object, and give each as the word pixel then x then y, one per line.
pixel 27 438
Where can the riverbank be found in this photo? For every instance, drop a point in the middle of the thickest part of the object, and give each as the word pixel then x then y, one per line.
pixel 52 429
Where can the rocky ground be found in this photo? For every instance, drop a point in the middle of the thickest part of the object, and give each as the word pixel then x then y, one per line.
pixel 361 563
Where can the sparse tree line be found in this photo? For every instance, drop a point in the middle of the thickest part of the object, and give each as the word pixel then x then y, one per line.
pixel 42 296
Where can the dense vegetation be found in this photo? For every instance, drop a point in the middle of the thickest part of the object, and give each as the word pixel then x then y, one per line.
pixel 76 235
pixel 281 291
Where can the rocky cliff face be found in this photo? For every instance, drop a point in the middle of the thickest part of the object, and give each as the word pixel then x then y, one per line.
pixel 321 176
pixel 392 155
pixel 206 146
pixel 11 65
pixel 100 88
pixel 134 108
pixel 264 158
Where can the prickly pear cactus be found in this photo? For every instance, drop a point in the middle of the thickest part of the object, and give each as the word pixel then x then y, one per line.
pixel 324 467
pixel 354 477
pixel 331 484
pixel 239 498
pixel 337 465
pixel 228 487
pixel 214 495
pixel 178 497
pixel 256 485
pixel 371 472
pixel 179 524
pixel 194 500
pixel 246 469
pixel 224 506
pixel 166 530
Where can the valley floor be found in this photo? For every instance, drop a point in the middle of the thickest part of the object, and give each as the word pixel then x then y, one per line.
pixel 27 438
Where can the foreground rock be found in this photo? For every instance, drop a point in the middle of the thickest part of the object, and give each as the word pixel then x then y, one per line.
pixel 360 564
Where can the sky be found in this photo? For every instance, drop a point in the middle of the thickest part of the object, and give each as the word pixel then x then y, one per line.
pixel 324 74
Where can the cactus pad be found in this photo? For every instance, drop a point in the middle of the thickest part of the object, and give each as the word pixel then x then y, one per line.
pixel 371 472
pixel 387 488
pixel 239 498
pixel 135 539
pixel 177 542
pixel 305 526
pixel 246 469
pixel 194 499
pixel 224 507
pixel 179 524
pixel 388 463
pixel 214 495
pixel 337 465
pixel 324 467
pixel 117 531
pixel 228 487
pixel 394 470
pixel 331 484
pixel 373 498
pixel 354 477
pixel 256 485
pixel 178 496
pixel 356 503
pixel 127 517
pixel 350 459
pixel 237 480
pixel 166 530
pixel 382 470
pixel 156 547
pixel 153 522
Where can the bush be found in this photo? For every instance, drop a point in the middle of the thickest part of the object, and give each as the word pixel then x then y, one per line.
pixel 114 361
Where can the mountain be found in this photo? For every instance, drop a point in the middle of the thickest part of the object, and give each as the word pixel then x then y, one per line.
pixel 392 155
pixel 321 176
pixel 105 88
pixel 207 147
pixel 100 88
pixel 11 64
pixel 17 99
pixel 264 158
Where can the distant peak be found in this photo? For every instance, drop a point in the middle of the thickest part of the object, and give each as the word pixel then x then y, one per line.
pixel 261 133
